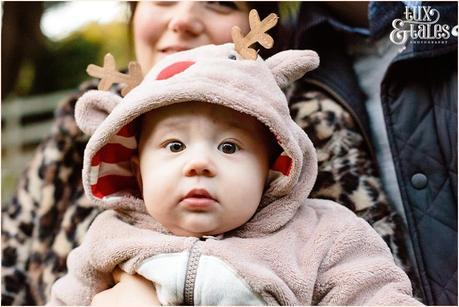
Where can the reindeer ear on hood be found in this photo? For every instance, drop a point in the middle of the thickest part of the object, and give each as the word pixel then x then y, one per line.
pixel 289 66
pixel 93 107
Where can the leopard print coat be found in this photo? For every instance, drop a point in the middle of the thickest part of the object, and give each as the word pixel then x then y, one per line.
pixel 49 214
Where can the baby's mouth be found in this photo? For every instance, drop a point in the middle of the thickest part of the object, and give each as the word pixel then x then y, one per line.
pixel 198 200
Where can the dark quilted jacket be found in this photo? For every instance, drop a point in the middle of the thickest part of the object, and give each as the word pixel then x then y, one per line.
pixel 419 97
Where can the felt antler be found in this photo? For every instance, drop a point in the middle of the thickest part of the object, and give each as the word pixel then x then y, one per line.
pixel 256 34
pixel 109 75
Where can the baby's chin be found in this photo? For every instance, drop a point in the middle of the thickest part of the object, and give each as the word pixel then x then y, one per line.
pixel 193 233
pixel 197 226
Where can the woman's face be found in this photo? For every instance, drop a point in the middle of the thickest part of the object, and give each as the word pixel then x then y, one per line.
pixel 164 27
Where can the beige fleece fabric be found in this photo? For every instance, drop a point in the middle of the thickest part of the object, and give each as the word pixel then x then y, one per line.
pixel 293 251
pixel 324 255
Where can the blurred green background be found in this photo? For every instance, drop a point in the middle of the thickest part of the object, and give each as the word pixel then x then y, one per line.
pixel 46 47
pixel 34 63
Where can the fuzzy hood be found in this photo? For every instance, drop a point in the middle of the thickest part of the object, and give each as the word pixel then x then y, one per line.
pixel 213 74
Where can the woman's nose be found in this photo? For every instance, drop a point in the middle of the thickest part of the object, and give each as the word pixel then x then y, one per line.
pixel 199 166
pixel 186 19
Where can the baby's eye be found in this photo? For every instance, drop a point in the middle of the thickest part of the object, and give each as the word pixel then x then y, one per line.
pixel 175 146
pixel 228 147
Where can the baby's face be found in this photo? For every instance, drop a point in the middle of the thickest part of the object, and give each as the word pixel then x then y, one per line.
pixel 202 167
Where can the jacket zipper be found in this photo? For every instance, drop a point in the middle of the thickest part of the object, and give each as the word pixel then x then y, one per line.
pixel 190 274
pixel 346 105
pixel 192 269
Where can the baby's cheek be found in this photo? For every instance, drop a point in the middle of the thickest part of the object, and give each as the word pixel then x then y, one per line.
pixel 247 190
pixel 149 205
pixel 159 212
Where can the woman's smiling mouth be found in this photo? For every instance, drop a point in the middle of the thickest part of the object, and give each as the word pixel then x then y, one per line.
pixel 173 49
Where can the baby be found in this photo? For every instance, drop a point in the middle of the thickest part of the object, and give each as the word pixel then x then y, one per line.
pixel 206 178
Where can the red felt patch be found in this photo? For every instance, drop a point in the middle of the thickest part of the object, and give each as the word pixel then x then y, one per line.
pixel 174 69
pixel 283 164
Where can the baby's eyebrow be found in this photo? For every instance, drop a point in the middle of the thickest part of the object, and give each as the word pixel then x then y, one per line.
pixel 236 126
pixel 247 128
pixel 168 126
pixel 172 123
pixel 177 123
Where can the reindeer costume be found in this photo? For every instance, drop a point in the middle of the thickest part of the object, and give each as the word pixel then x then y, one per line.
pixel 293 251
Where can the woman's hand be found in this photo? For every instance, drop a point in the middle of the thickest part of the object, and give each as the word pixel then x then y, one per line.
pixel 129 290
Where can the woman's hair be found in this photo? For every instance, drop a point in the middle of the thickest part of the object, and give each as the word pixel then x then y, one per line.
pixel 264 8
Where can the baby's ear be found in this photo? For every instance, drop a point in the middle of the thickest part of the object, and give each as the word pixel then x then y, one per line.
pixel 93 107
pixel 290 65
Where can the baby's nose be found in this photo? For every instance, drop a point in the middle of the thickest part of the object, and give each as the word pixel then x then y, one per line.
pixel 200 166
